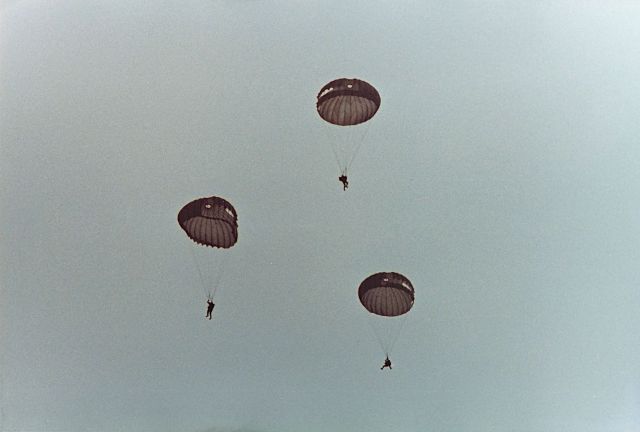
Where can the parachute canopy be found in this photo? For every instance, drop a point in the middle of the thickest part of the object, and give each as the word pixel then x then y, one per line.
pixel 387 294
pixel 210 221
pixel 348 102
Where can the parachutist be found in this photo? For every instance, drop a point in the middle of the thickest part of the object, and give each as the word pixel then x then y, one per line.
pixel 347 102
pixel 211 223
pixel 389 295
pixel 345 182
pixel 387 363
pixel 210 306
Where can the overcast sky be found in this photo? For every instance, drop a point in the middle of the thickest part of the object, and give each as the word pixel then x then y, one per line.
pixel 501 175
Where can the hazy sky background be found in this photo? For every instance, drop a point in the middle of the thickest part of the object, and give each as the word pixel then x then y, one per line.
pixel 501 175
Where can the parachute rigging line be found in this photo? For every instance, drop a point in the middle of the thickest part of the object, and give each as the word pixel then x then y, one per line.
pixel 362 139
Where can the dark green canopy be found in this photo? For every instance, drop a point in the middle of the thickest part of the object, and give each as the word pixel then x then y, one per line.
pixel 387 294
pixel 210 221
pixel 348 102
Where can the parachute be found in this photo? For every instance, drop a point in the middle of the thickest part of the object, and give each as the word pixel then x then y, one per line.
pixel 347 102
pixel 388 295
pixel 211 222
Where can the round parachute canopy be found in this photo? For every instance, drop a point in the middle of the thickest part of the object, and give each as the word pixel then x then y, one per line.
pixel 386 294
pixel 348 102
pixel 210 221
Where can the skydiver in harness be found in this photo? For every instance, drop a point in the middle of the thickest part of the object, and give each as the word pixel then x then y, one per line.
pixel 387 363
pixel 210 306
pixel 345 182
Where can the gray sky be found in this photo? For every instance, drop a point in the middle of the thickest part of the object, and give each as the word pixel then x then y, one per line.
pixel 501 175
